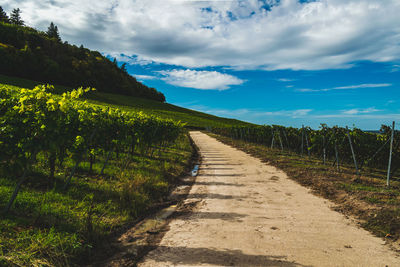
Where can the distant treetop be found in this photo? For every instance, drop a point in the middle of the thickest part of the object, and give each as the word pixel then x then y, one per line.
pixel 15 17
pixel 3 16
pixel 52 32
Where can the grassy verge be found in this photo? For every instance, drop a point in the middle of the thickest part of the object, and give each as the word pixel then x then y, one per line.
pixel 49 226
pixel 368 198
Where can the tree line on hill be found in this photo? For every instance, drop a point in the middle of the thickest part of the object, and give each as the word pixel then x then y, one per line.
pixel 42 56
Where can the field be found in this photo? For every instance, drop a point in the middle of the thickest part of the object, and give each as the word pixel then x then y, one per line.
pixel 193 119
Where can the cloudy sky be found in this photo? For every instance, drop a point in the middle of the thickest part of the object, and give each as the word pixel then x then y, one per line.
pixel 285 62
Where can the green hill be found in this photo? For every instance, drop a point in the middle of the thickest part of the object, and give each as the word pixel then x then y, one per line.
pixel 28 53
pixel 32 55
pixel 194 119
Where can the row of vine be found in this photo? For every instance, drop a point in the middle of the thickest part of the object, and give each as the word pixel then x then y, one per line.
pixel 36 121
pixel 370 149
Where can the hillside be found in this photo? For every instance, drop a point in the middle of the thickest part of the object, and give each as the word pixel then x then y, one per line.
pixel 192 118
pixel 73 173
pixel 28 53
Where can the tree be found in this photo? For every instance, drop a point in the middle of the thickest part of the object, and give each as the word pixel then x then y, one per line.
pixel 3 16
pixel 123 68
pixel 52 32
pixel 15 17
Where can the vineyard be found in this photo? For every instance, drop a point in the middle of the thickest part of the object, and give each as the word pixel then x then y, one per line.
pixel 336 144
pixel 78 165
pixel 191 118
pixel 35 121
pixel 75 170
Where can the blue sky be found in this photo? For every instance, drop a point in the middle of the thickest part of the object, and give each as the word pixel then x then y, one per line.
pixel 284 62
pixel 365 96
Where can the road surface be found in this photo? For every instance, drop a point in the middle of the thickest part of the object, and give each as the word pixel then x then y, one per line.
pixel 247 213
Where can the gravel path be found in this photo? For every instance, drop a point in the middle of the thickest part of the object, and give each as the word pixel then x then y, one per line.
pixel 247 213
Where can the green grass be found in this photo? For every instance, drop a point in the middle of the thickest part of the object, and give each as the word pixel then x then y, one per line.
pixel 368 188
pixel 49 226
pixel 194 119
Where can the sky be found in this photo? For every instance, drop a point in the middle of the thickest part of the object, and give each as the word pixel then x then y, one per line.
pixel 286 62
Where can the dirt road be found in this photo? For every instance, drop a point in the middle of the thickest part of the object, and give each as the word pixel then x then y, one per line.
pixel 250 214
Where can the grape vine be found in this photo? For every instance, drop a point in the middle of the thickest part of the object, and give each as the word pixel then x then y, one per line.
pixel 36 121
pixel 371 149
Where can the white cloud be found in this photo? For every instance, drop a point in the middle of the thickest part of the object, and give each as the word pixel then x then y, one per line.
pixel 286 80
pixel 144 77
pixel 389 102
pixel 251 114
pixel 245 113
pixel 206 80
pixel 362 86
pixel 238 34
pixel 301 112
pixel 385 117
pixel 347 87
pixel 307 90
pixel 395 68
pixel 288 113
pixel 131 60
pixel 356 111
pixel 302 116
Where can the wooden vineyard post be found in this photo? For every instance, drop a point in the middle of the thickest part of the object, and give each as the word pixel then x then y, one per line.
pixel 273 139
pixel 352 151
pixel 106 161
pixel 390 157
pixel 20 182
pixel 323 130
pixel 302 138
pixel 285 135
pixel 336 151
pixel 68 180
pixel 324 149
pixel 16 190
pixel 308 148
pixel 280 140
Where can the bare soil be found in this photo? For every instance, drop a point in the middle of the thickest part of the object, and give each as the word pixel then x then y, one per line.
pixel 243 212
